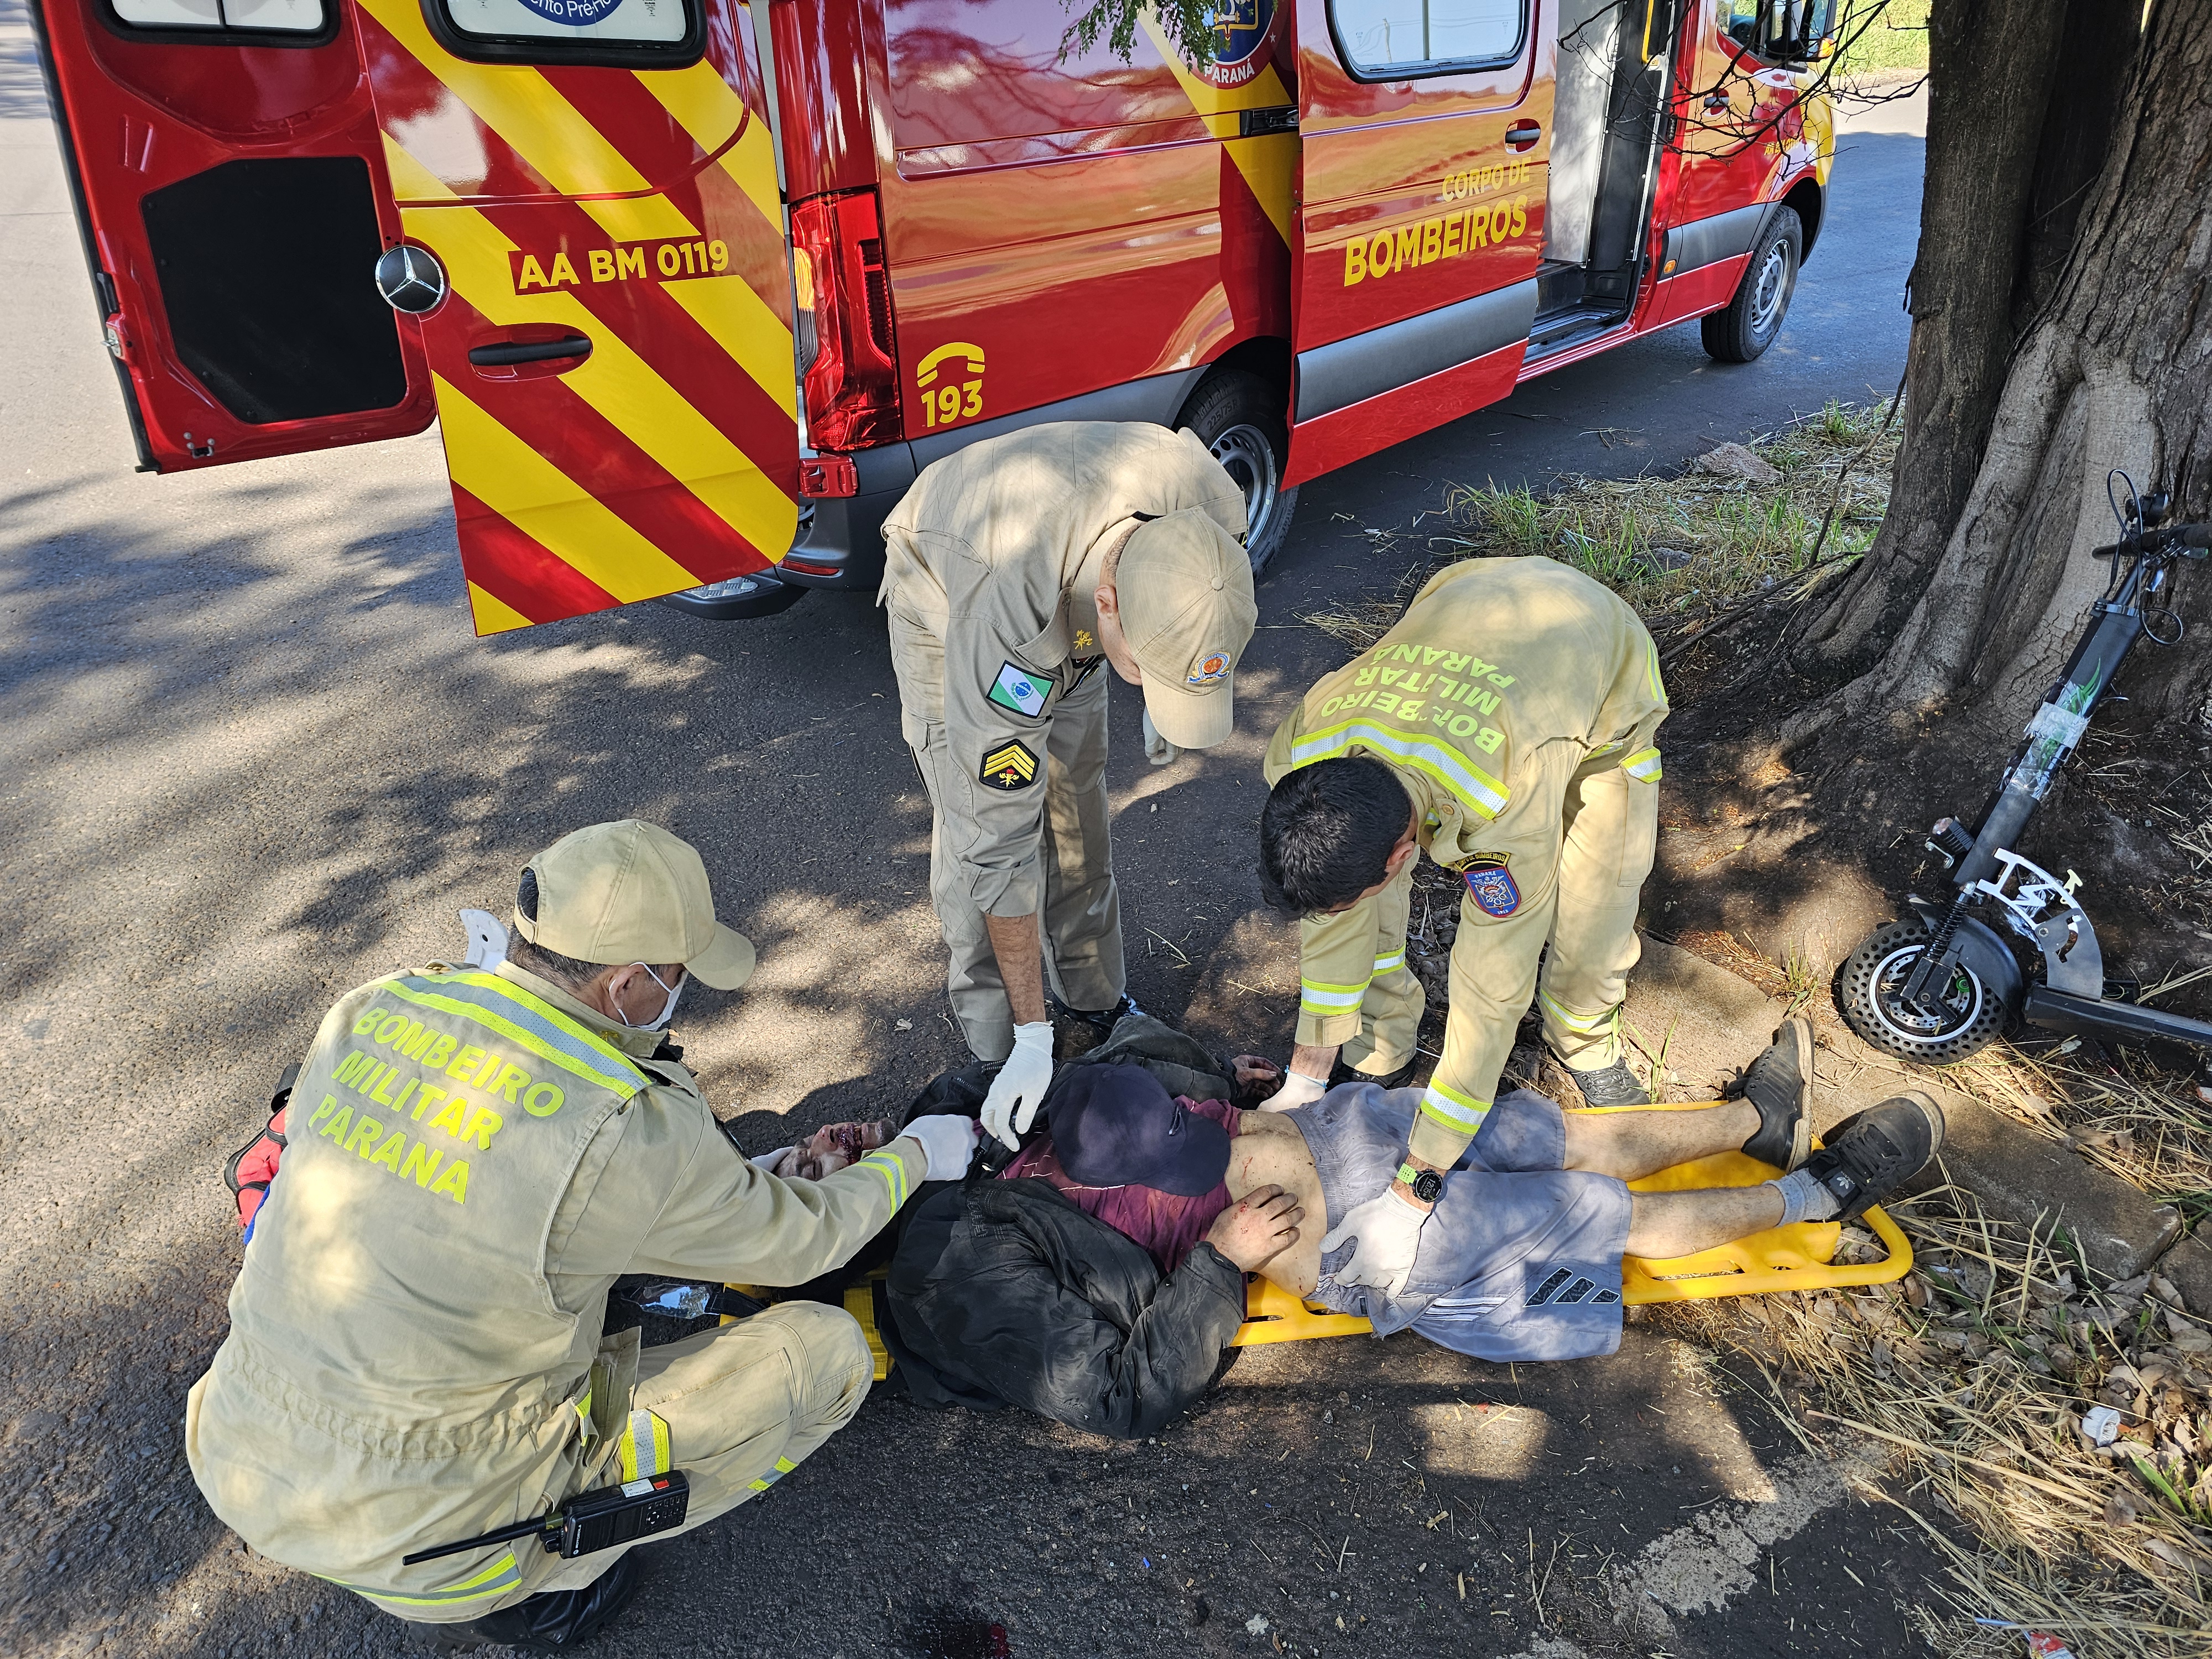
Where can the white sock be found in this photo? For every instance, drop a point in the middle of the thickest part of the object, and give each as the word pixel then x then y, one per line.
pixel 1804 1198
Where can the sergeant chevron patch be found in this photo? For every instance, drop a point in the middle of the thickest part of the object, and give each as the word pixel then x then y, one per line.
pixel 1010 766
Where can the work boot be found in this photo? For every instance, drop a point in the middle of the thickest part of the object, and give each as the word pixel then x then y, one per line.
pixel 1779 1082
pixel 1611 1086
pixel 552 1621
pixel 1078 1030
pixel 1870 1154
pixel 1341 1073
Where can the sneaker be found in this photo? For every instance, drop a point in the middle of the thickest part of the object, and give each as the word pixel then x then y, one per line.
pixel 1341 1073
pixel 1102 1023
pixel 1779 1082
pixel 1870 1154
pixel 1612 1085
pixel 550 1622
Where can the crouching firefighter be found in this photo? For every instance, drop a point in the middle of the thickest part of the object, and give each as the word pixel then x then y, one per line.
pixel 416 1353
pixel 1506 725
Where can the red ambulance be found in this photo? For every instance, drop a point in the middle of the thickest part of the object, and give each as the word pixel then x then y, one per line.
pixel 697 287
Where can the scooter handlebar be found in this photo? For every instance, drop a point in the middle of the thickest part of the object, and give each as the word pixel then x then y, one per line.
pixel 2197 536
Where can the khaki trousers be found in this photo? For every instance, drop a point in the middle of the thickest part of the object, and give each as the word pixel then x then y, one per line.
pixel 743 1407
pixel 1080 921
pixel 1609 825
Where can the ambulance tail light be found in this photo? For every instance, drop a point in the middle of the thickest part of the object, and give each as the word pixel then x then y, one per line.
pixel 847 361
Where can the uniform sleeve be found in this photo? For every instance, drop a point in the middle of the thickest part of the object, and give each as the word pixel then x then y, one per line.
pixel 1336 961
pixel 1504 919
pixel 726 1220
pixel 993 809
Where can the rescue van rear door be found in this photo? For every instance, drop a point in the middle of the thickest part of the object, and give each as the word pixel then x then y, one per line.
pixel 228 179
pixel 610 338
pixel 1424 139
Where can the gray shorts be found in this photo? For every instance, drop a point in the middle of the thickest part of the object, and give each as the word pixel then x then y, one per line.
pixel 1521 1259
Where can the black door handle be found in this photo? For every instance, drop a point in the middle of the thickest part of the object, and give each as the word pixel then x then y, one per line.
pixel 506 352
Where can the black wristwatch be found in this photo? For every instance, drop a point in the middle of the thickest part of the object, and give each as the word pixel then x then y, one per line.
pixel 1428 1186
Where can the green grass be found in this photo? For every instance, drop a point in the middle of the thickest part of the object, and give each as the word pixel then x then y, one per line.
pixel 1894 37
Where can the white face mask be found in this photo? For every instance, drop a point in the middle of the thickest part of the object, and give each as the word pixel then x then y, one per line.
pixel 667 1009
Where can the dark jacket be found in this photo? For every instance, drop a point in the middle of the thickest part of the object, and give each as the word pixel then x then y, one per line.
pixel 1003 1292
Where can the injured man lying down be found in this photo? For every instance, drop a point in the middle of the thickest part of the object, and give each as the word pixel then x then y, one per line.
pixel 1098 1278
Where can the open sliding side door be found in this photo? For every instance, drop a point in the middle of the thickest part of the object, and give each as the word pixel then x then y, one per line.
pixel 609 314
pixel 228 181
pixel 1424 133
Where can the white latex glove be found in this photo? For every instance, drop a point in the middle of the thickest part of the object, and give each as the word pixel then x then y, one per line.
pixel 487 940
pixel 1388 1229
pixel 949 1140
pixel 1157 749
pixel 1297 1091
pixel 1012 1105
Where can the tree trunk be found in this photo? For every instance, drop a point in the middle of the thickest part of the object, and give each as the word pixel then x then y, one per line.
pixel 2029 375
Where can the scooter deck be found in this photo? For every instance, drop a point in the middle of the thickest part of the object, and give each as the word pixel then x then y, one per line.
pixel 1796 1258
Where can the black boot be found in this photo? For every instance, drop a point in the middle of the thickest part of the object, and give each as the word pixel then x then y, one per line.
pixel 1612 1085
pixel 553 1621
pixel 1341 1073
pixel 1870 1154
pixel 1779 1082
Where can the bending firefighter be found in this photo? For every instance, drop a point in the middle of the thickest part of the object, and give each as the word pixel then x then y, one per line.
pixel 1506 725
pixel 1016 569
pixel 416 1353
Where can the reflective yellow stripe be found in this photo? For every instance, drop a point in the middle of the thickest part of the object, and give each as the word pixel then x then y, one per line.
pixel 502 1576
pixel 1651 669
pixel 1476 790
pixel 783 1466
pixel 494 615
pixel 892 1168
pixel 563 1042
pixel 1390 964
pixel 1643 765
pixel 1587 1025
pixel 566 150
pixel 1322 999
pixel 1269 163
pixel 1461 1114
pixel 644 1446
pixel 705 106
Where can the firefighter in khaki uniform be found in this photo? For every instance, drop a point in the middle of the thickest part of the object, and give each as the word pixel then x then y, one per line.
pixel 1016 568
pixel 415 1353
pixel 1506 725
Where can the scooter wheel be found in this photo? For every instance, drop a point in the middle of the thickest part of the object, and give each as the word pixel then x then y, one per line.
pixel 1966 1018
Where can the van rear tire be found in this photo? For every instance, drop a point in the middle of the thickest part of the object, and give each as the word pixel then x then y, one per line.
pixel 1239 417
pixel 1743 330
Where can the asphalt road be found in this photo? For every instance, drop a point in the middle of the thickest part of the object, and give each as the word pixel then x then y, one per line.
pixel 250 756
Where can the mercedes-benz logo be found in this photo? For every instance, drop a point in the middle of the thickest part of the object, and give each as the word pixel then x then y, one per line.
pixel 410 279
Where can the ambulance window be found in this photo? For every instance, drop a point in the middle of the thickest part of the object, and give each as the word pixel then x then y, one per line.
pixel 1390 39
pixel 260 16
pixel 554 30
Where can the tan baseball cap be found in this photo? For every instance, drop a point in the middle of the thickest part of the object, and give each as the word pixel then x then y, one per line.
pixel 632 892
pixel 1184 588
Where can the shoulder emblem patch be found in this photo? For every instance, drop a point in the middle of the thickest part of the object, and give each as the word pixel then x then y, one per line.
pixel 1021 691
pixel 1490 884
pixel 1211 670
pixel 1009 766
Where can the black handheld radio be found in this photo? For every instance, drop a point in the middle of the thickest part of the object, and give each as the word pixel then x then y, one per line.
pixel 591 1521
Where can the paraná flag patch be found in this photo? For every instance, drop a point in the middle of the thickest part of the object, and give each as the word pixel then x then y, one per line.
pixel 1020 689
pixel 1010 766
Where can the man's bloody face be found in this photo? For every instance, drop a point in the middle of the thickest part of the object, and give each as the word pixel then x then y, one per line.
pixel 833 1146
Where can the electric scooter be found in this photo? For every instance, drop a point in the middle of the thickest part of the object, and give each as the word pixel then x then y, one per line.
pixel 2013 946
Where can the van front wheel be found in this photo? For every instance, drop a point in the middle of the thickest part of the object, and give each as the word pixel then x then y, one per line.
pixel 1747 326
pixel 1239 418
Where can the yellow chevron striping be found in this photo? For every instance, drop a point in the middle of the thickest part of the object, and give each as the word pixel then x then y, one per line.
pixel 543 128
pixel 705 107
pixel 411 181
pixel 494 615
pixel 519 484
pixel 728 308
pixel 624 388
pixel 1269 164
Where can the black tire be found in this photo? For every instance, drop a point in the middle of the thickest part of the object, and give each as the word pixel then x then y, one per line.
pixel 1747 326
pixel 1973 1014
pixel 1239 416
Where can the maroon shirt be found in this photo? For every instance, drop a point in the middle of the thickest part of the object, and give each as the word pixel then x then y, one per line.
pixel 1167 1225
